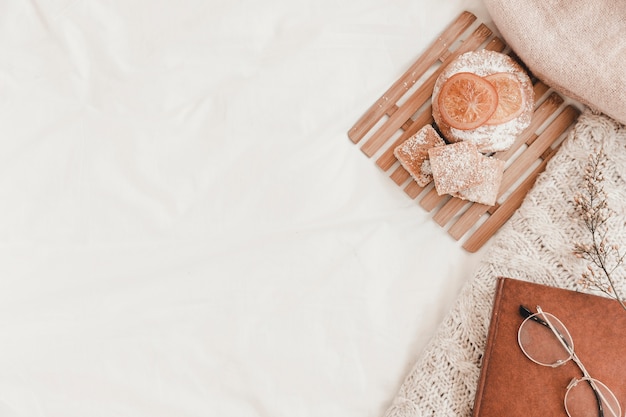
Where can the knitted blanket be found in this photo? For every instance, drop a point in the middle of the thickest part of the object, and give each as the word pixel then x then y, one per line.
pixel 535 245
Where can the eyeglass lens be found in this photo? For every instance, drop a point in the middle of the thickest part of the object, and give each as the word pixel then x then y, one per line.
pixel 582 401
pixel 540 343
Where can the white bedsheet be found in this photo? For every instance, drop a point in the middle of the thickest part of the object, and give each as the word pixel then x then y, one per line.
pixel 185 228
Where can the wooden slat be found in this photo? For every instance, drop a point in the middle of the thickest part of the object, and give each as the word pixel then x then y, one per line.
pixel 421 95
pixel 432 199
pixel 397 90
pixel 413 189
pixel 449 210
pixel 540 89
pixel 391 110
pixel 400 175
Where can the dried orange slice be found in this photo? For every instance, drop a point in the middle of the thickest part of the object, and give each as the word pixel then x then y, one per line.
pixel 466 101
pixel 510 98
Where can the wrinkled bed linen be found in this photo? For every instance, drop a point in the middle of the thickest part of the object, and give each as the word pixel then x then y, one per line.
pixel 185 228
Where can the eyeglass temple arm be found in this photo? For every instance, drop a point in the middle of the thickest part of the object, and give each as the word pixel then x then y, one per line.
pixel 527 313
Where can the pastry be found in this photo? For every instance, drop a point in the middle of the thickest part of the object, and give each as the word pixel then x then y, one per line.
pixel 455 167
pixel 486 192
pixel 483 97
pixel 413 154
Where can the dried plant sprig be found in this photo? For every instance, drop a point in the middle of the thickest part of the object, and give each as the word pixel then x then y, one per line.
pixel 603 257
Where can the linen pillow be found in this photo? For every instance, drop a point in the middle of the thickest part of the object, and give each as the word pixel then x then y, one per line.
pixel 578 47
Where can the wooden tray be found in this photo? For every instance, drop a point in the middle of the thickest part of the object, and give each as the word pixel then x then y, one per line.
pixel 405 108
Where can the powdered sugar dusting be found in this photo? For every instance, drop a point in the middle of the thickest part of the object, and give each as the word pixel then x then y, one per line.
pixel 415 142
pixel 426 168
pixel 488 138
pixel 487 191
pixel 455 167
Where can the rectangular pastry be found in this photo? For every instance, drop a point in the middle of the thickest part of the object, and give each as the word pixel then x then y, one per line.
pixel 413 154
pixel 487 191
pixel 455 167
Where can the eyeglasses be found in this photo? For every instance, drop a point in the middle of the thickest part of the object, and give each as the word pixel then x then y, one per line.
pixel 547 342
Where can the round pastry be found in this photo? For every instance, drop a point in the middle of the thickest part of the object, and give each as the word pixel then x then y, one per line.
pixel 483 97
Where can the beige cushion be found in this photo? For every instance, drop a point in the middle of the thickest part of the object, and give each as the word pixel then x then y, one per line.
pixel 578 47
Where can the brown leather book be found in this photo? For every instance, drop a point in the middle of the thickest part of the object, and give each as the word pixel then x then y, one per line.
pixel 512 385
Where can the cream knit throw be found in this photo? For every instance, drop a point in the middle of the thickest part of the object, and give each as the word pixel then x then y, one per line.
pixel 535 245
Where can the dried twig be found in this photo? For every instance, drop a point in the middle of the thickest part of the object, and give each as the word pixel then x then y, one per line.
pixel 603 258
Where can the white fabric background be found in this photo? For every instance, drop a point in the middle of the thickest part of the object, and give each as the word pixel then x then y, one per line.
pixel 185 228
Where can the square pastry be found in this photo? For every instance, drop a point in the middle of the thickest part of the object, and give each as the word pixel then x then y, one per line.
pixel 487 191
pixel 413 154
pixel 455 167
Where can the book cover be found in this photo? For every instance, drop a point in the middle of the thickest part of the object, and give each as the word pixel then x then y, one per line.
pixel 511 385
